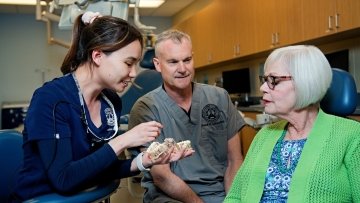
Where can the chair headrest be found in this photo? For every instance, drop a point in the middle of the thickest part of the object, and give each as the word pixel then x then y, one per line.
pixel 148 80
pixel 341 97
pixel 147 61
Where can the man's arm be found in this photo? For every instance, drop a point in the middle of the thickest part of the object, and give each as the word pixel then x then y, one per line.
pixel 162 176
pixel 172 185
pixel 235 159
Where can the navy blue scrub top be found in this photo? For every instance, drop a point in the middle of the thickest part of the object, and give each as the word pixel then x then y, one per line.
pixel 55 118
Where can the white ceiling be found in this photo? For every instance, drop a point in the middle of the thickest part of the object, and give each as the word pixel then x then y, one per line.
pixel 167 9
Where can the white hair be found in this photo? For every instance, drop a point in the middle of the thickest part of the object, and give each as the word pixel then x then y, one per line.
pixel 310 70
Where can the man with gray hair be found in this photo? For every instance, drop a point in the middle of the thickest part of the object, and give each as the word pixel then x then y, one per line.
pixel 201 113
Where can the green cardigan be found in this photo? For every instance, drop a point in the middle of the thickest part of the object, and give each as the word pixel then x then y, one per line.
pixel 328 169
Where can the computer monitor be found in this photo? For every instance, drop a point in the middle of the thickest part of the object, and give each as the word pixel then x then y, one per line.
pixel 237 81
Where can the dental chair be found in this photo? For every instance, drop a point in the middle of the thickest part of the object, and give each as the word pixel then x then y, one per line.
pixel 145 81
pixel 11 158
pixel 341 97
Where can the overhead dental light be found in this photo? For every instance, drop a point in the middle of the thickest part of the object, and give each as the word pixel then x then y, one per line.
pixel 73 8
pixel 19 2
pixel 118 8
pixel 70 9
pixel 143 3
pixel 149 3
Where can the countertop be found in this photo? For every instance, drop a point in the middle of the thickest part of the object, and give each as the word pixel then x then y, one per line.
pixel 253 108
pixel 357 111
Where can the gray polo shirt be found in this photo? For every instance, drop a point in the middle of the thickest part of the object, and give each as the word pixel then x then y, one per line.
pixel 213 120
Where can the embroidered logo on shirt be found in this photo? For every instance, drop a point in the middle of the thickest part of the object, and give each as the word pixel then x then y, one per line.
pixel 211 114
pixel 109 117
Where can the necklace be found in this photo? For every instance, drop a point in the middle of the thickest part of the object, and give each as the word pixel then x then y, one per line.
pixel 279 155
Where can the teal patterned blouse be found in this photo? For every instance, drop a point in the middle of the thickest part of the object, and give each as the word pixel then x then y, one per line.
pixel 283 162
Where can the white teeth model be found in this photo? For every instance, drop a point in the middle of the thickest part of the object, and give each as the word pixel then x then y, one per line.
pixel 156 149
pixel 184 144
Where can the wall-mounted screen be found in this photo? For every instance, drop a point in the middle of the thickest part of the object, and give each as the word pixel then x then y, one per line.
pixel 339 59
pixel 237 81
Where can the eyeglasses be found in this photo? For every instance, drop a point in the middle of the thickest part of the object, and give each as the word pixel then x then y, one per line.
pixel 272 81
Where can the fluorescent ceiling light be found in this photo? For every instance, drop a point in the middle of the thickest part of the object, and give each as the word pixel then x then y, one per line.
pixel 149 3
pixel 20 2
pixel 143 3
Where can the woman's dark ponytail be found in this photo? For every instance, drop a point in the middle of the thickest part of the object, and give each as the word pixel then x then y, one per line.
pixel 104 33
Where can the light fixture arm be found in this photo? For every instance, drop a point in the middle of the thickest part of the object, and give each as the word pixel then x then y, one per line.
pixel 137 19
pixel 47 18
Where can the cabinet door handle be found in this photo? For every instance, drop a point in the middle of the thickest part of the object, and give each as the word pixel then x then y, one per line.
pixel 277 38
pixel 238 49
pixel 337 20
pixel 329 24
pixel 272 39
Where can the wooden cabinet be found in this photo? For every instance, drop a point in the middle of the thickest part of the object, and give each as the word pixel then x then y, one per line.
pixel 185 26
pixel 278 23
pixel 205 29
pixel 325 17
pixel 206 38
pixel 190 27
pixel 247 133
pixel 222 31
pixel 239 28
pixel 289 24
pixel 348 14
pixel 355 117
pixel 209 46
pixel 229 29
pixel 265 25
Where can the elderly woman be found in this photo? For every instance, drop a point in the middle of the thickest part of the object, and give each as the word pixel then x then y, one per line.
pixel 308 156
